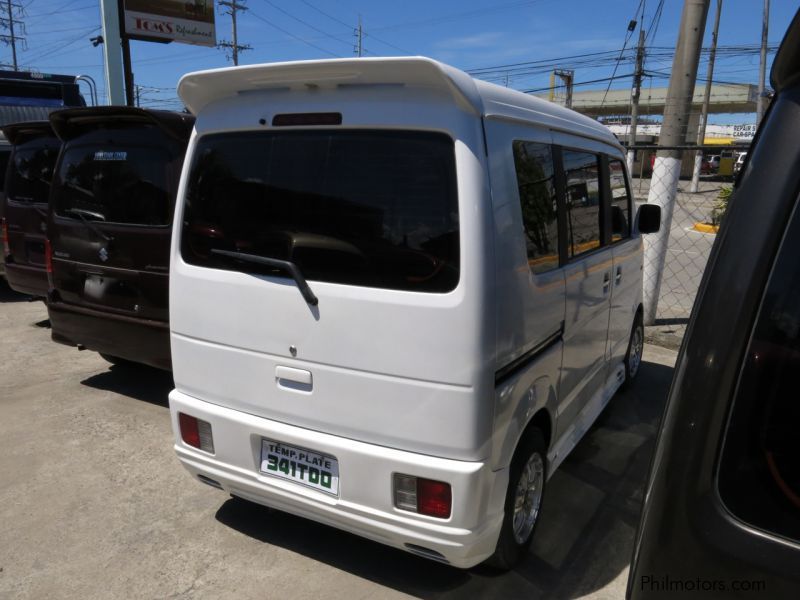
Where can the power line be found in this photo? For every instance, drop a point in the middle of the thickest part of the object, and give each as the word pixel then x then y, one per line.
pixel 601 80
pixel 454 17
pixel 307 24
pixel 60 10
pixel 349 26
pixel 290 34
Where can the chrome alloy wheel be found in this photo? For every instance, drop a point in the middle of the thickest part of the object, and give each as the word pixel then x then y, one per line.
pixel 528 497
pixel 637 348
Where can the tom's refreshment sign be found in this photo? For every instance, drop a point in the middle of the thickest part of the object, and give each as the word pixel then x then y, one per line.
pixel 187 21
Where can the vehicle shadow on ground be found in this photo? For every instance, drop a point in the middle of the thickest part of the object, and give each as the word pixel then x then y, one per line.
pixel 139 382
pixel 9 295
pixel 584 540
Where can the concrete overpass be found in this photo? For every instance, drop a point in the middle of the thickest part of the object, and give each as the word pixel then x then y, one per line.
pixel 725 98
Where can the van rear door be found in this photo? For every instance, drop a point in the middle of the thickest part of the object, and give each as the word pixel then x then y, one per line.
pixel 371 220
pixel 112 210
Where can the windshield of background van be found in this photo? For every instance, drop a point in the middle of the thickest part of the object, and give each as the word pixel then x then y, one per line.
pixel 114 183
pixel 31 171
pixel 366 208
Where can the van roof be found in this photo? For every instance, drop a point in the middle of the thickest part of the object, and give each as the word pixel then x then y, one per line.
pixel 19 133
pixel 201 88
pixel 72 122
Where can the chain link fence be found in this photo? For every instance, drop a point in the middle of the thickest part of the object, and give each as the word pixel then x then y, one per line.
pixel 679 253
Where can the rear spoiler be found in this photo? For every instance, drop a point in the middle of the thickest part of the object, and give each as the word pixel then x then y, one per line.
pixel 19 133
pixel 72 122
pixel 199 89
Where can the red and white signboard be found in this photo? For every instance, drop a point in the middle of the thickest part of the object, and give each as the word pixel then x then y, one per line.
pixel 185 21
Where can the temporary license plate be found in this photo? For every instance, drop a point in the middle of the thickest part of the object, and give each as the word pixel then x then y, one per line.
pixel 309 468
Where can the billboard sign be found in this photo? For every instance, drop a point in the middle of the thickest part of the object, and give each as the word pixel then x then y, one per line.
pixel 185 21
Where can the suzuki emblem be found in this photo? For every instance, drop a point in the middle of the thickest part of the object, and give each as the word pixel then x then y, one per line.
pixel 103 254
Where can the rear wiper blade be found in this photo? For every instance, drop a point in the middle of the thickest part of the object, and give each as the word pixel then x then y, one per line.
pixel 284 265
pixel 80 214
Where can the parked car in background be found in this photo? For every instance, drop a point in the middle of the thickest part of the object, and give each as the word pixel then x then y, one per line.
pixel 721 515
pixel 5 155
pixel 24 223
pixel 397 303
pixel 737 166
pixel 713 162
pixel 109 230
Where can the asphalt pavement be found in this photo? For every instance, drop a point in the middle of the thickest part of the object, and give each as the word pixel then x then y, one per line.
pixel 93 502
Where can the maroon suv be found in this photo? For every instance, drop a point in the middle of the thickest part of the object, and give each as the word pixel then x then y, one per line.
pixel 109 229
pixel 28 177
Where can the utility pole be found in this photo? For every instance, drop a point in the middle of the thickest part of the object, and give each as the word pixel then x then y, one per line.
pixel 11 39
pixel 636 92
pixel 701 126
pixel 359 33
pixel 233 7
pixel 567 76
pixel 667 168
pixel 138 96
pixel 762 69
pixel 112 50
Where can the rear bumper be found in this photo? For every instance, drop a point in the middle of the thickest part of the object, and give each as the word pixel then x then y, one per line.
pixel 365 504
pixel 26 279
pixel 138 340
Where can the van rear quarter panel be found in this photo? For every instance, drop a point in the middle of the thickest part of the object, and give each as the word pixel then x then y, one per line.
pixel 401 369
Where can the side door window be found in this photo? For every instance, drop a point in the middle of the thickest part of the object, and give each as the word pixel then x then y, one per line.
pixel 759 470
pixel 620 201
pixel 583 207
pixel 537 194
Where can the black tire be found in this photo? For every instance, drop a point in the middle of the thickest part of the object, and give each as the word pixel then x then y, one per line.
pixel 635 346
pixel 510 551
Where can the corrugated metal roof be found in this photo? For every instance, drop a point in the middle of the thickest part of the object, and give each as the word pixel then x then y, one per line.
pixel 18 114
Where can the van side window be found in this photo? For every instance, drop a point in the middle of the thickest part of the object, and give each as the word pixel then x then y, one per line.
pixel 582 201
pixel 537 195
pixel 759 472
pixel 620 201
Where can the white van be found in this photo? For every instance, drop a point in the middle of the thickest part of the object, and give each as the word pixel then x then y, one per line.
pixel 398 297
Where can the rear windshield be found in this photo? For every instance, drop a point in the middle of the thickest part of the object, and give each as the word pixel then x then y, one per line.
pixel 366 208
pixel 31 170
pixel 117 184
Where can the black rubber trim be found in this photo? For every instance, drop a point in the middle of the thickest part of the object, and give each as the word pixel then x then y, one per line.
pixel 531 355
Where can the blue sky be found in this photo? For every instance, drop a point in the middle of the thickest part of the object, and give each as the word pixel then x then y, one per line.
pixel 469 34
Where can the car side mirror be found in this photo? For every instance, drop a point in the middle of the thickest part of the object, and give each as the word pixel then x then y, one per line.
pixel 649 218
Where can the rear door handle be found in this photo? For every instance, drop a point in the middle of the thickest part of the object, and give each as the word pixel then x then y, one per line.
pixel 606 282
pixel 294 379
pixel 618 278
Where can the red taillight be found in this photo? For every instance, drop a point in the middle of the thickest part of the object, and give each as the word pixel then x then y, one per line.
pixel 6 247
pixel 423 496
pixel 48 257
pixel 189 431
pixel 434 498
pixel 196 433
